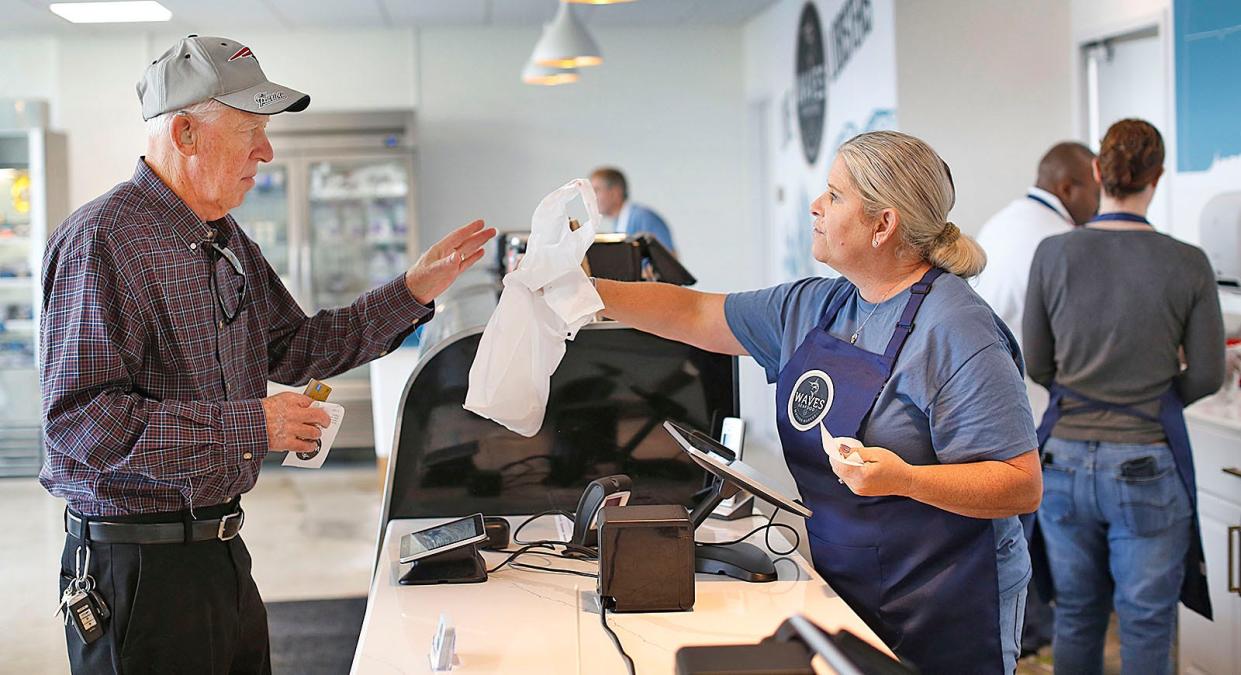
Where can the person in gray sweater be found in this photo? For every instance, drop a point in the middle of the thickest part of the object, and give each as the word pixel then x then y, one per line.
pixel 1123 327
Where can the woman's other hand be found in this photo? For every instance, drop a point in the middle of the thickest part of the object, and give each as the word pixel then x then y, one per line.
pixel 882 473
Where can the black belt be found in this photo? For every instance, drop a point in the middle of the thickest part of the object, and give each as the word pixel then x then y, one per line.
pixel 223 528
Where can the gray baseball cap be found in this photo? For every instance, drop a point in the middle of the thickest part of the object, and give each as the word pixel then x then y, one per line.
pixel 200 68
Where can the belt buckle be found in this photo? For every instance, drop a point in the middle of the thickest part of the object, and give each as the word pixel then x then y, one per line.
pixel 222 533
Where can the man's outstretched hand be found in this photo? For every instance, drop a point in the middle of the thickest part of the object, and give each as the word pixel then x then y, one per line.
pixel 446 260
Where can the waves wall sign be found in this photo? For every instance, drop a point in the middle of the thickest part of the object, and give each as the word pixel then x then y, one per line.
pixel 811 66
pixel 850 28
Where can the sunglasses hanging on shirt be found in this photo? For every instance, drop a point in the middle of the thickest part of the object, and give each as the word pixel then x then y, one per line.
pixel 230 302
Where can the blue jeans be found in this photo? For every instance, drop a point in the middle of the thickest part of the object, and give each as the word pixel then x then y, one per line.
pixel 1117 523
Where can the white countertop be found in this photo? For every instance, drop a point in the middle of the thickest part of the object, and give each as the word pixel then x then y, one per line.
pixel 521 621
pixel 1222 410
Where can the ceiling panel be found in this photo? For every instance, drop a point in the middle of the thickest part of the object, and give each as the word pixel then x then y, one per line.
pixel 32 16
pixel 327 13
pixel 524 12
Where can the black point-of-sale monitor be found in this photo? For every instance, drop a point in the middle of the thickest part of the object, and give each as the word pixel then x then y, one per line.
pixel 717 459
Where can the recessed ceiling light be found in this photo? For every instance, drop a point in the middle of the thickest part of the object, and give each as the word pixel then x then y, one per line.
pixel 111 12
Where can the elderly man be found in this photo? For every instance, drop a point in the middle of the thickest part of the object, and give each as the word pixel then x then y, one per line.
pixel 162 325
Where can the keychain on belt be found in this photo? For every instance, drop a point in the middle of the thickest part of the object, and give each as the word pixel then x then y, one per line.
pixel 81 604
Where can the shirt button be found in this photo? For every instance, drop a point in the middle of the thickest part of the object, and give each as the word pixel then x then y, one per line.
pixel 193 245
pixel 221 324
pixel 383 353
pixel 247 456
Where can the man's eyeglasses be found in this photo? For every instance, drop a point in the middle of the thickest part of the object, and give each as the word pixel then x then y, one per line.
pixel 230 303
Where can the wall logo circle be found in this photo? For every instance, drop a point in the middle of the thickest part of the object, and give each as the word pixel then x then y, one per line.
pixel 811 82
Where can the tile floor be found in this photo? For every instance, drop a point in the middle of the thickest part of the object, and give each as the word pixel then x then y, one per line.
pixel 312 534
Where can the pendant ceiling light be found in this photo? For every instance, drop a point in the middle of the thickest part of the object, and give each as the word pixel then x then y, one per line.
pixel 566 43
pixel 547 76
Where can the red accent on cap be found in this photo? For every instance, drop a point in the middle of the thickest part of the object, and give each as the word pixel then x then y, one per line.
pixel 242 53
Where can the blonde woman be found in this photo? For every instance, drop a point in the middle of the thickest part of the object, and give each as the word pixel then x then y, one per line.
pixel 922 540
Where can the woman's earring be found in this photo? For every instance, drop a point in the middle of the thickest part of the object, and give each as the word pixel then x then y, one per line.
pixel 874 243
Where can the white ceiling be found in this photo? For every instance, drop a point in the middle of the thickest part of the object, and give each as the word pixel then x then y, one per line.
pixel 32 16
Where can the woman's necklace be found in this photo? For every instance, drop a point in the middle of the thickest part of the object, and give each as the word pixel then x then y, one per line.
pixel 853 338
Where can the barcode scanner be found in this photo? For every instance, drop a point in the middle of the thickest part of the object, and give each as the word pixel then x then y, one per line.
pixel 606 491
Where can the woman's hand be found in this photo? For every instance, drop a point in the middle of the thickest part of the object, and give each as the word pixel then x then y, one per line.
pixel 883 472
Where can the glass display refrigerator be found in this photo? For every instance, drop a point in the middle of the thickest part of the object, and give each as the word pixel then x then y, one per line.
pixel 33 200
pixel 334 215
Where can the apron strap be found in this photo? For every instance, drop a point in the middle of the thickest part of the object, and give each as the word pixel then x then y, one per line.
pixel 1095 404
pixel 905 325
pixel 833 307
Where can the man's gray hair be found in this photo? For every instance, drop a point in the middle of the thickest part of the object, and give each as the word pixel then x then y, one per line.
pixel 205 111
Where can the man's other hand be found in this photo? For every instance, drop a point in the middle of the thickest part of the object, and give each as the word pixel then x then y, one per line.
pixel 292 425
pixel 446 260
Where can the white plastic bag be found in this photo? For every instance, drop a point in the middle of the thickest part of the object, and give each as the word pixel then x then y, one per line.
pixel 545 301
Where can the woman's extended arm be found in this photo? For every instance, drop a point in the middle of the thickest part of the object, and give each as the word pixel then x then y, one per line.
pixel 671 312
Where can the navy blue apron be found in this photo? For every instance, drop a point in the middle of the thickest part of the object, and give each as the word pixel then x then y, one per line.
pixel 922 578
pixel 1194 592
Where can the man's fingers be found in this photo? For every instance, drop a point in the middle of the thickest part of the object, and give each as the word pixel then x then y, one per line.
pixel 312 416
pixel 308 431
pixel 472 259
pixel 301 400
pixel 298 445
pixel 476 241
pixel 458 236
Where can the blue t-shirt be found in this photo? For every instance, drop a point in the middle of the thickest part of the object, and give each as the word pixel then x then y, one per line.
pixel 956 393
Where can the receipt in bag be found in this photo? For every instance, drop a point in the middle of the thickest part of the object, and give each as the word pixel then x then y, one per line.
pixel 314 459
pixel 545 301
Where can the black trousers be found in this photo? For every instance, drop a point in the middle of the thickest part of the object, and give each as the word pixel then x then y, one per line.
pixel 176 608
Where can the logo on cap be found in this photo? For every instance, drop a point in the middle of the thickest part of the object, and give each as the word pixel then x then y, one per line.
pixel 243 53
pixel 265 98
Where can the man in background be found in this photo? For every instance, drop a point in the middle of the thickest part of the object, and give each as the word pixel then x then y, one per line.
pixel 1065 195
pixel 630 219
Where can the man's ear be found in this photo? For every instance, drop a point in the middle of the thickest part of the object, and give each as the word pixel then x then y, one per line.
pixel 1094 169
pixel 182 133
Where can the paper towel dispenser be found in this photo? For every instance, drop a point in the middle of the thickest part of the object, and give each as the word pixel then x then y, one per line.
pixel 1220 231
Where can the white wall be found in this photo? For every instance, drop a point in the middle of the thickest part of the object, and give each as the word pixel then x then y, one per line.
pixel 89 81
pixel 666 107
pixel 28 67
pixel 987 85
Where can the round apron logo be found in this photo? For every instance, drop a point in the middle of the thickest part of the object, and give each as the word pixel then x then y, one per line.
pixel 811 82
pixel 811 399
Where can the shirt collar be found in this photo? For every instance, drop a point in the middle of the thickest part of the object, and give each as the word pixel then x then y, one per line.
pixel 1050 199
pixel 174 212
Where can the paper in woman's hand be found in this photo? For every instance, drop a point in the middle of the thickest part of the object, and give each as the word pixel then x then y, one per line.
pixel 831 446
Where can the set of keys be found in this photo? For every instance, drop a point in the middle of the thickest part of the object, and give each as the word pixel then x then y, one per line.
pixel 81 604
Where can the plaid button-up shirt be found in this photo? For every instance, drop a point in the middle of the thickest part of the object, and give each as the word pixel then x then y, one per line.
pixel 150 399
